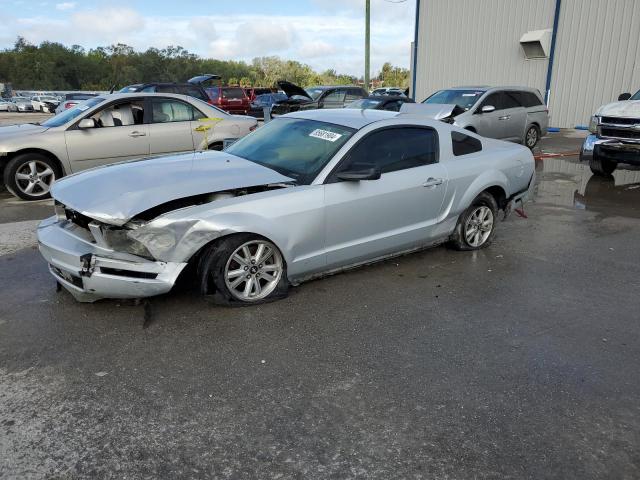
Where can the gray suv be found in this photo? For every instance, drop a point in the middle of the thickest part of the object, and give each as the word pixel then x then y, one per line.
pixel 516 114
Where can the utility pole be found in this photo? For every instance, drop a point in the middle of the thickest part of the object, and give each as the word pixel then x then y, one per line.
pixel 367 35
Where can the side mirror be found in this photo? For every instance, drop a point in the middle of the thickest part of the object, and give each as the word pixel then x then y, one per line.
pixel 86 123
pixel 355 175
pixel 624 96
pixel 487 109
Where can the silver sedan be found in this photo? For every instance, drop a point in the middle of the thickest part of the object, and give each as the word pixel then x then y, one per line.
pixel 107 129
pixel 308 194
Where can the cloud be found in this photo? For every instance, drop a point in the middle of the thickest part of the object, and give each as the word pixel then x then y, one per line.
pixel 65 6
pixel 329 39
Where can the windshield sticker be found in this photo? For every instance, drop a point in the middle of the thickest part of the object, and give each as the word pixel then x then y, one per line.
pixel 325 135
pixel 469 94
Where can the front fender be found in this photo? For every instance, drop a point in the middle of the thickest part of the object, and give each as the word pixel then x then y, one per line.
pixel 170 240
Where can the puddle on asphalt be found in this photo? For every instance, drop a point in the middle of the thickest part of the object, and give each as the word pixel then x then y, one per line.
pixel 565 182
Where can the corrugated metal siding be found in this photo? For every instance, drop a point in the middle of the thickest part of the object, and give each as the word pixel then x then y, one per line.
pixel 597 57
pixel 473 42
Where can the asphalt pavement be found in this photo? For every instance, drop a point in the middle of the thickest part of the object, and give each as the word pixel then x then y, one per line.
pixel 519 361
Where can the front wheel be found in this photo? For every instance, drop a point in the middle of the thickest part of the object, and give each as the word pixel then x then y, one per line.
pixel 243 269
pixel 601 166
pixel 531 137
pixel 30 176
pixel 476 225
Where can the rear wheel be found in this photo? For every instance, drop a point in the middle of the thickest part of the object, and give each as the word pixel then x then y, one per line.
pixel 532 136
pixel 601 166
pixel 30 176
pixel 476 226
pixel 242 270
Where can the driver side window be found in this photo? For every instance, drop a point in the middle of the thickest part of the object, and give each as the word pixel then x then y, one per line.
pixel 394 149
pixel 120 115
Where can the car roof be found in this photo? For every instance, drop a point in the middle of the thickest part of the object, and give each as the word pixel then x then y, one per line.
pixel 347 117
pixel 116 96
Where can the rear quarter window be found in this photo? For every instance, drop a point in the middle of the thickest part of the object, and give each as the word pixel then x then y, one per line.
pixel 464 144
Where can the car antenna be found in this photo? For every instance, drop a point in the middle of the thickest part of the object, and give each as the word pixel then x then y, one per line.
pixel 113 87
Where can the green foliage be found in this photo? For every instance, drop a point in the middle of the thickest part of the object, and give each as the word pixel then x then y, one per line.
pixel 53 66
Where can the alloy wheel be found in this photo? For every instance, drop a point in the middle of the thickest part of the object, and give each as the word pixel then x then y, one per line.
pixel 253 270
pixel 34 178
pixel 478 226
pixel 532 137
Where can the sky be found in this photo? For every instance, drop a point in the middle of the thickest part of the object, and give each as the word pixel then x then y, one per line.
pixel 322 33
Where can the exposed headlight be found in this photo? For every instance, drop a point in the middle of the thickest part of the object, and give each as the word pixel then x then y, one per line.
pixel 119 240
pixel 593 124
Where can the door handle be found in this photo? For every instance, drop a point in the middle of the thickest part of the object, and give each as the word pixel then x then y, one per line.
pixel 136 133
pixel 506 117
pixel 433 182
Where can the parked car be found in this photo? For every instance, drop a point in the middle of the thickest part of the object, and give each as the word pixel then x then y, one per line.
pixel 516 114
pixel 107 129
pixel 7 106
pixel 308 194
pixel 253 92
pixel 615 135
pixel 70 100
pixel 394 91
pixel 380 102
pixel 23 104
pixel 265 100
pixel 190 89
pixel 230 99
pixel 43 103
pixel 315 97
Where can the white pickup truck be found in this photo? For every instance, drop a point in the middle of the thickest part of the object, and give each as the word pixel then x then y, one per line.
pixel 615 135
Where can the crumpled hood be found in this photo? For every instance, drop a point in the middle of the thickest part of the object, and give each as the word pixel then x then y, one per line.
pixel 628 108
pixel 116 193
pixel 437 111
pixel 11 131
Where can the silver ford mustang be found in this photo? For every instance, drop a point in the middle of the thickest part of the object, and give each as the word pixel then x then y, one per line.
pixel 308 194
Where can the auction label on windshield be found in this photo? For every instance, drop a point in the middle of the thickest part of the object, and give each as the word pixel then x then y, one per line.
pixel 325 135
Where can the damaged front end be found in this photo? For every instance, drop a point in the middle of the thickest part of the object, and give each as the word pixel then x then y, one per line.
pixel 141 258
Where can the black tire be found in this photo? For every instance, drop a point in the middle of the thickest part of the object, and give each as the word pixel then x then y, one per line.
pixel 459 238
pixel 601 166
pixel 532 137
pixel 211 272
pixel 17 164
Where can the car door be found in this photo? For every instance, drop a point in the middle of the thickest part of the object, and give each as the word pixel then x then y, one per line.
pixel 514 115
pixel 333 99
pixel 170 125
pixel 491 124
pixel 120 134
pixel 371 218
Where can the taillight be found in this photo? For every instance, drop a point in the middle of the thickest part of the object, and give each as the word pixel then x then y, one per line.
pixel 69 105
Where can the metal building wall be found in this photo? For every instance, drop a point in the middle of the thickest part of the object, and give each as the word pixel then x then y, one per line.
pixel 467 42
pixel 597 57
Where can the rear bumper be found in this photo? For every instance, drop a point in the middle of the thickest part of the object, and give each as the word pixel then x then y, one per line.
pixel 619 151
pixel 90 272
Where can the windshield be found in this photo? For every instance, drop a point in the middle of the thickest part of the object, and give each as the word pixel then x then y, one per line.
pixel 71 113
pixel 294 147
pixel 364 103
pixel 314 93
pixel 465 99
pixel 636 96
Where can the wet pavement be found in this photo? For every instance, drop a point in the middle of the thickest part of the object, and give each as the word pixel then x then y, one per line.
pixel 518 361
